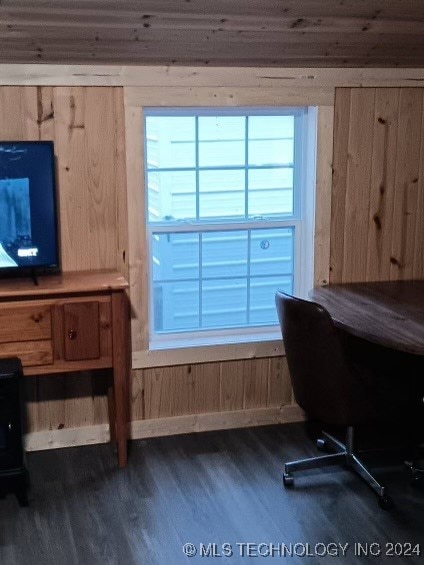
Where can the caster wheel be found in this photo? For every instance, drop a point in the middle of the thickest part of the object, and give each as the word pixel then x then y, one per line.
pixel 385 502
pixel 322 445
pixel 288 479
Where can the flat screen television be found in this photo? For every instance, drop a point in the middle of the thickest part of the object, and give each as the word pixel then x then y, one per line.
pixel 28 218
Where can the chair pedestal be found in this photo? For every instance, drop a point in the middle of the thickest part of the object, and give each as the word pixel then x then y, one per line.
pixel 344 456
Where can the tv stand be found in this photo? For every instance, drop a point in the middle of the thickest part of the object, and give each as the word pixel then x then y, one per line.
pixel 69 323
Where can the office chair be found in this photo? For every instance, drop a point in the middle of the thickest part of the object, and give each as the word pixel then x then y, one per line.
pixel 325 386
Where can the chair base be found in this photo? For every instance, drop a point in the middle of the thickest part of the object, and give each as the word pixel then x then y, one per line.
pixel 344 456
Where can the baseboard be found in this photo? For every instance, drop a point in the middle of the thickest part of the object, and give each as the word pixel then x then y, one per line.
pixel 143 429
pixel 67 437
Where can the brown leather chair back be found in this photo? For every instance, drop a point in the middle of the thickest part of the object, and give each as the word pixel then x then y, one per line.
pixel 323 382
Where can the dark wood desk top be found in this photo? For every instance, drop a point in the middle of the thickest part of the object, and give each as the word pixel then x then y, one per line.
pixel 386 313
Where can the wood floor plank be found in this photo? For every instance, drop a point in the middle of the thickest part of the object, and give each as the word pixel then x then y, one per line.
pixel 209 488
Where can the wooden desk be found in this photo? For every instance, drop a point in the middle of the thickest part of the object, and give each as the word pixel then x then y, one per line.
pixel 68 323
pixel 387 313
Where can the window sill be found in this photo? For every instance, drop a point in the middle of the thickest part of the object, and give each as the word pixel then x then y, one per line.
pixel 204 353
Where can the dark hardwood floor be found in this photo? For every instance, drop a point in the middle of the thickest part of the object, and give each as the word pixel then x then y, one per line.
pixel 220 487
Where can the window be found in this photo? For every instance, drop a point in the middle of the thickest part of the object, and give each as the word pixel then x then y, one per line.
pixel 228 220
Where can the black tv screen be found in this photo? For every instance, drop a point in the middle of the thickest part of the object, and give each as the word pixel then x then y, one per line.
pixel 28 223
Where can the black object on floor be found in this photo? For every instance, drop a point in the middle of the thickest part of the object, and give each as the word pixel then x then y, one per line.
pixel 13 473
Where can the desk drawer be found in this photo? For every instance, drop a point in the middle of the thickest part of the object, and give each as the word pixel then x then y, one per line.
pixel 31 353
pixel 25 322
pixel 82 330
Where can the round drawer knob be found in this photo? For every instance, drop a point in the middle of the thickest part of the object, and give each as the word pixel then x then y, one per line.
pixel 72 334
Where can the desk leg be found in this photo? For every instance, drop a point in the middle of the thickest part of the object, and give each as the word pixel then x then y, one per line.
pixel 121 371
pixel 111 408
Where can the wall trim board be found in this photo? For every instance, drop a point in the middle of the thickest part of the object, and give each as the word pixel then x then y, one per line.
pixel 137 250
pixel 67 437
pixel 157 427
pixel 207 354
pixel 324 184
pixel 143 429
pixel 137 75
pixel 277 94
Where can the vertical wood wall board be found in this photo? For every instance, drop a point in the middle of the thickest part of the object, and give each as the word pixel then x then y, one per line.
pixel 382 188
pixel 232 381
pixel 256 385
pixel 340 152
pixel 407 183
pixel 357 183
pixel 279 389
pixel 121 220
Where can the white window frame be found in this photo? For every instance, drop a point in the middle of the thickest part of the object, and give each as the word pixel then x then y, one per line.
pixel 302 221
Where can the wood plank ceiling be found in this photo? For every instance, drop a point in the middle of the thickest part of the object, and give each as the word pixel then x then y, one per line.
pixel 308 33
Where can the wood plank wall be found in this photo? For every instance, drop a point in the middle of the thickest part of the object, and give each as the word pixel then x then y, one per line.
pixel 87 126
pixel 377 227
pixel 210 387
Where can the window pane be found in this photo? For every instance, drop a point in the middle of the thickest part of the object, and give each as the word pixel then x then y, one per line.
pixel 222 193
pixel 224 303
pixel 175 306
pixel 271 140
pixel 224 254
pixel 175 256
pixel 262 298
pixel 221 141
pixel 271 152
pixel 270 191
pixel 271 252
pixel 170 141
pixel 271 127
pixel 171 195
